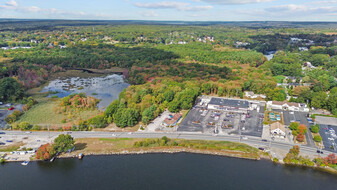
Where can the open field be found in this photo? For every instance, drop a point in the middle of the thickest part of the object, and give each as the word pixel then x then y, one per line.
pixel 44 113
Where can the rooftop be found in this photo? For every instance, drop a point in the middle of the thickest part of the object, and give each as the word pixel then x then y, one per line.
pixel 229 102
pixel 277 125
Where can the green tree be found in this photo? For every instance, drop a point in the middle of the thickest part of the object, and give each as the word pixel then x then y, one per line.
pixel 63 143
pixel 111 109
pixel 10 90
pixel 318 138
pixel 315 128
pixel 25 125
pixel 294 126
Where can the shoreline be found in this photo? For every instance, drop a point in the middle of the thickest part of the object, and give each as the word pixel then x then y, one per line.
pixel 191 151
pixel 162 151
pixel 171 150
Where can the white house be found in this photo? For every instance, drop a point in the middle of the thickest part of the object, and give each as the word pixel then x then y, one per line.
pixel 288 106
pixel 277 130
pixel 250 94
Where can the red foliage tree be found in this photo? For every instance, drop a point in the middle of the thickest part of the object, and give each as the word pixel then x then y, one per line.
pixel 44 152
pixel 302 129
pixel 331 159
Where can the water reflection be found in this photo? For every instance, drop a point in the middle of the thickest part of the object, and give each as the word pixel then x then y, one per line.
pixel 63 165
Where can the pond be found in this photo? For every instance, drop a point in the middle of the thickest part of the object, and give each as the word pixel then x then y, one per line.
pixel 106 88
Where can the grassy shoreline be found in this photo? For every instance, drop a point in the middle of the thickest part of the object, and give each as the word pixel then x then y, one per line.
pixel 112 146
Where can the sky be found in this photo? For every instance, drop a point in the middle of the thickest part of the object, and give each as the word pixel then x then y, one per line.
pixel 176 10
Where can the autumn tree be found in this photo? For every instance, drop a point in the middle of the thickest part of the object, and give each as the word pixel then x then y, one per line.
pixel 45 152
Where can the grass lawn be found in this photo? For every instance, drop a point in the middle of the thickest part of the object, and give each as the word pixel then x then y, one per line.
pixel 11 148
pixel 44 113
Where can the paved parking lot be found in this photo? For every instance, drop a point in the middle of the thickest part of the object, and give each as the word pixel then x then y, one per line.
pixel 300 117
pixel 5 112
pixel 222 122
pixel 329 138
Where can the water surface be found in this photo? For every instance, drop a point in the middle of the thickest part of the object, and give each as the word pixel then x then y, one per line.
pixel 105 88
pixel 161 171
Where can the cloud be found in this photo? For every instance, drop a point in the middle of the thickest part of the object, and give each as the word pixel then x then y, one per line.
pixel 233 2
pixel 11 3
pixel 172 5
pixel 14 6
pixel 148 14
pixel 302 9
pixel 289 7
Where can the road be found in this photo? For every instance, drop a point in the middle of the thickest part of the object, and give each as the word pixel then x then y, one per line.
pixel 253 141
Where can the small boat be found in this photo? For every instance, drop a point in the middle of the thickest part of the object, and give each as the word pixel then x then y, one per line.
pixel 25 163
pixel 52 159
pixel 80 156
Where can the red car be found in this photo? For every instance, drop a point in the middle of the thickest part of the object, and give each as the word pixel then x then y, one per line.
pixel 11 108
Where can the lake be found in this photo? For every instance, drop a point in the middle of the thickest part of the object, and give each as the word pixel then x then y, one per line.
pixel 161 171
pixel 106 88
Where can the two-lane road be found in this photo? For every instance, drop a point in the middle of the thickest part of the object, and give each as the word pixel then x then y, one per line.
pixel 253 141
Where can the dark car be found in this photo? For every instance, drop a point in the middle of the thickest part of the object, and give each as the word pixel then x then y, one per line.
pixel 2 133
pixel 319 152
pixel 264 140
pixel 261 148
pixel 1 143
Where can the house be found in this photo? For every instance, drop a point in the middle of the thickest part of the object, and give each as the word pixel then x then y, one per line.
pixel 172 120
pixel 250 94
pixel 241 106
pixel 303 49
pixel 278 130
pixel 287 106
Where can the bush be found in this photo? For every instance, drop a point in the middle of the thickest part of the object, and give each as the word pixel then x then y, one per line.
pixel 300 138
pixel 10 118
pixel 318 138
pixel 36 128
pixel 25 125
pixel 2 160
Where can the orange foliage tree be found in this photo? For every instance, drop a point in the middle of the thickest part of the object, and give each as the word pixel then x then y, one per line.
pixel 45 152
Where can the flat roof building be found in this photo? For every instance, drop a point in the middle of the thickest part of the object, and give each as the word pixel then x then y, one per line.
pixel 229 105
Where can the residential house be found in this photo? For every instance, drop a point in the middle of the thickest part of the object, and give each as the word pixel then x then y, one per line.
pixel 277 129
pixel 287 106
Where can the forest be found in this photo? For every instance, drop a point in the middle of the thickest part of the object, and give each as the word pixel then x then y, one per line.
pixel 169 65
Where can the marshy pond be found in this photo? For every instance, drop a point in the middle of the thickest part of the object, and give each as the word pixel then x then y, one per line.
pixel 106 88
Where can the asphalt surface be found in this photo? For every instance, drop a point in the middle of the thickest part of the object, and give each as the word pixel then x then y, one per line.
pixel 253 141
pixel 5 112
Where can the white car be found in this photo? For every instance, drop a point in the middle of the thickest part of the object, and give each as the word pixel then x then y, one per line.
pixel 28 132
pixel 113 134
pixel 244 137
pixel 129 133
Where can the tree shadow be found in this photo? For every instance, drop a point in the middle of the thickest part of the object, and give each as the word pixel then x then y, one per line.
pixel 80 146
